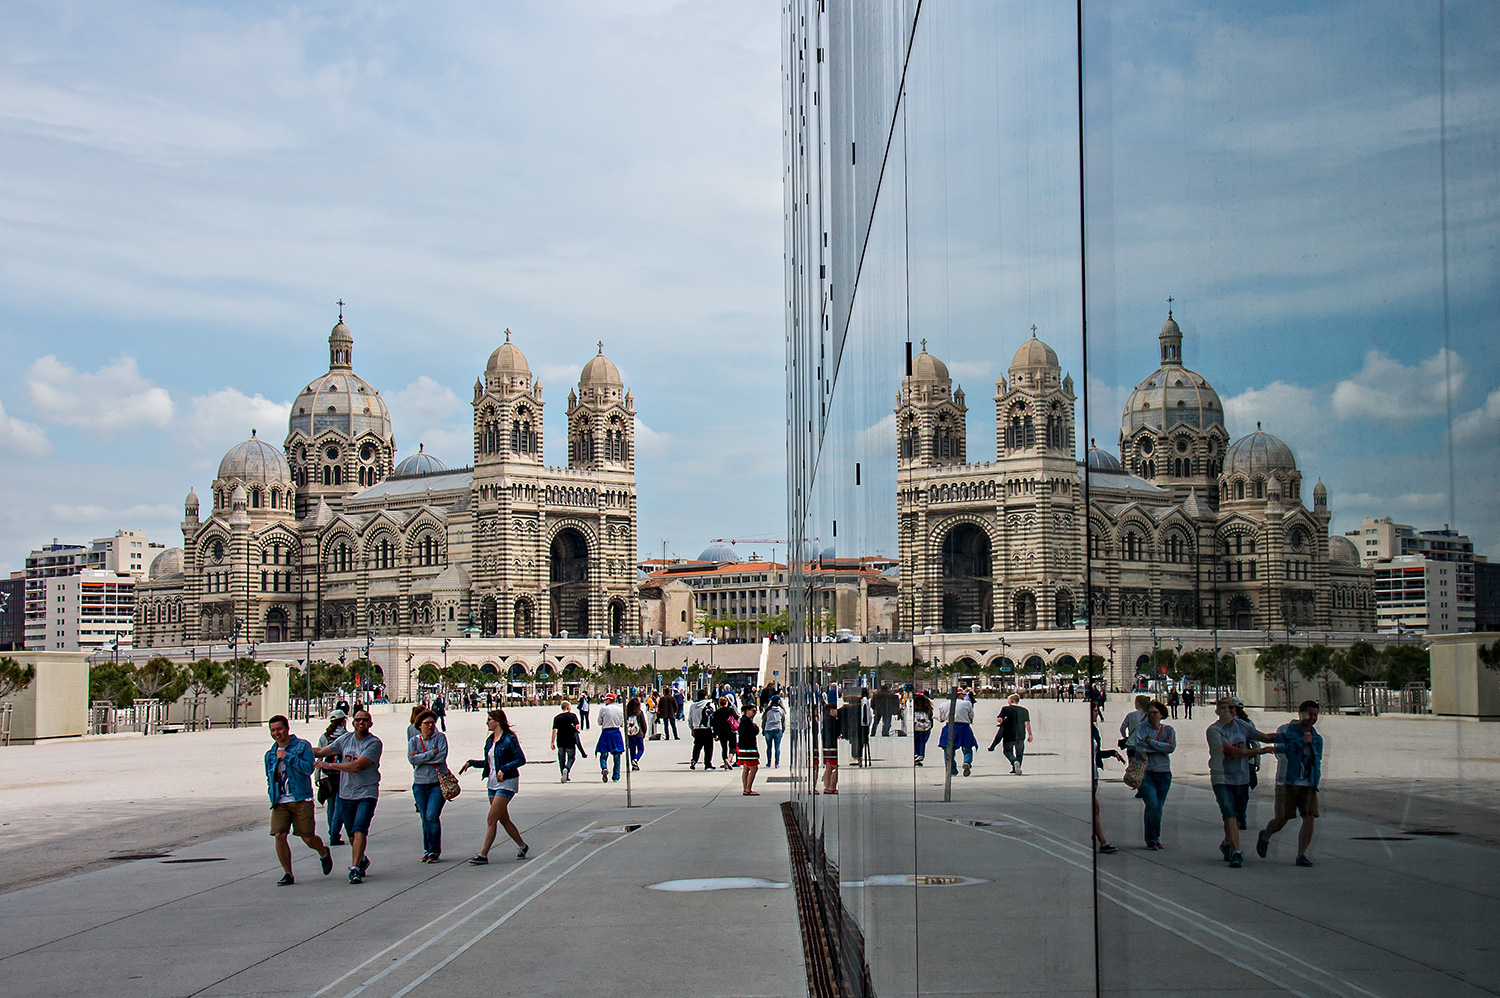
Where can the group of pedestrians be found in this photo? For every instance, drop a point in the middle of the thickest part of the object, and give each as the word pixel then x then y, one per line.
pixel 1234 745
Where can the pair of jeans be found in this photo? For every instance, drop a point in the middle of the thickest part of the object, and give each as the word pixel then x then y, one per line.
pixel 604 758
pixel 703 741
pixel 637 747
pixel 968 758
pixel 919 744
pixel 1154 792
pixel 669 723
pixel 1014 751
pixel 583 718
pixel 773 748
pixel 727 746
pixel 566 757
pixel 429 800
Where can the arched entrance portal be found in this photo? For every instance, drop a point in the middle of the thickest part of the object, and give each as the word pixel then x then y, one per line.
pixel 487 617
pixel 521 620
pixel 276 629
pixel 1239 614
pixel 617 617
pixel 967 579
pixel 569 582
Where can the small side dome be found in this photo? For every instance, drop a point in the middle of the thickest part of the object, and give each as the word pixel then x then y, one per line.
pixel 926 367
pixel 1341 551
pixel 1102 460
pixel 721 553
pixel 420 463
pixel 255 461
pixel 169 562
pixel 454 579
pixel 507 360
pixel 191 502
pixel 599 370
pixel 1320 491
pixel 1034 353
pixel 1259 453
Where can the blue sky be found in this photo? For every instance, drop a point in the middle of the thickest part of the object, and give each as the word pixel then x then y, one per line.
pixel 185 191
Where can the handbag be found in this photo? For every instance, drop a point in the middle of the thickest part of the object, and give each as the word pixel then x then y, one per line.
pixel 449 783
pixel 1135 773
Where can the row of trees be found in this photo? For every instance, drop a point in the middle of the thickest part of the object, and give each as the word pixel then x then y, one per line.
pixel 122 683
pixel 1396 666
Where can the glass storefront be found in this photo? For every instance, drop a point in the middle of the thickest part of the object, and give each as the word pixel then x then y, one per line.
pixel 1219 284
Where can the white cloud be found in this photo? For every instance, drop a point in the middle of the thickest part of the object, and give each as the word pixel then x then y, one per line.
pixel 1388 391
pixel 1480 427
pixel 651 445
pixel 223 418
pixel 110 400
pixel 96 515
pixel 424 403
pixel 1288 411
pixel 20 437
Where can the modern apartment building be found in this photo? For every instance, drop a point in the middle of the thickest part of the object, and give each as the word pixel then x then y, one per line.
pixel 88 611
pixel 13 612
pixel 128 552
pixel 1390 548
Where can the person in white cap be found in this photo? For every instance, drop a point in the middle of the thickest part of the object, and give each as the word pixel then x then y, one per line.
pixel 611 741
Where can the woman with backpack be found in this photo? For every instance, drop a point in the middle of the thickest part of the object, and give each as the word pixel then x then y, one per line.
pixel 774 724
pixel 921 723
pixel 725 725
pixel 501 764
pixel 635 731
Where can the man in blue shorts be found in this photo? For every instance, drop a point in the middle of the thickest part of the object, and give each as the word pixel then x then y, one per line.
pixel 1229 755
pixel 357 756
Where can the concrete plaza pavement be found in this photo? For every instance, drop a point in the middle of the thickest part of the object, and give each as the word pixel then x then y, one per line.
pixel 575 918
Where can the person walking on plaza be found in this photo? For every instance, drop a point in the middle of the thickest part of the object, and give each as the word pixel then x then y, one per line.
pixel 679 697
pixel 611 741
pixel 1157 741
pixel 1131 724
pixel 501 765
pixel 748 756
pixel 1105 846
pixel 289 769
pixel 583 710
pixel 427 751
pixel 1299 767
pixel 921 723
pixel 328 782
pixel 440 709
pixel 357 761
pixel 666 710
pixel 635 731
pixel 1173 699
pixel 1188 699
pixel 1014 732
pixel 773 724
pixel 1229 755
pixel 829 737
pixel 565 740
pixel 958 731
pixel 700 718
pixel 724 722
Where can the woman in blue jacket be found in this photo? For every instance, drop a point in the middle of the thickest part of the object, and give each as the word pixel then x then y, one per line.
pixel 502 764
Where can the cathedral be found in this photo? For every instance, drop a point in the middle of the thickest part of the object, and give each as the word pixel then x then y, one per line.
pixel 327 536
pixel 1184 528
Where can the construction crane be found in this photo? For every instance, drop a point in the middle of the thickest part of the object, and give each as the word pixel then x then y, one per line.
pixel 753 540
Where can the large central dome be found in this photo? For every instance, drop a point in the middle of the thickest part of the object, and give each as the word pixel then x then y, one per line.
pixel 1172 394
pixel 340 400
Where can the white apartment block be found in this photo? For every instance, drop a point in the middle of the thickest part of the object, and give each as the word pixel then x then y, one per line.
pixel 1421 594
pixel 128 551
pixel 89 611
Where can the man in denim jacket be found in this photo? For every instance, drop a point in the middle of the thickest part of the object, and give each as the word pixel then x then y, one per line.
pixel 289 766
pixel 1299 767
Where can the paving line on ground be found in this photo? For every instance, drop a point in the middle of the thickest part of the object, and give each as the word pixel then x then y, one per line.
pixel 455 908
pixel 480 935
pixel 1197 921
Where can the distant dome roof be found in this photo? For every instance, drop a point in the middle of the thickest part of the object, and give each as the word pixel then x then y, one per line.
pixel 1034 353
pixel 169 562
pixel 255 461
pixel 1341 551
pixel 1172 394
pixel 340 400
pixel 1103 460
pixel 600 370
pixel 420 463
pixel 926 367
pixel 507 359
pixel 1259 453
pixel 720 553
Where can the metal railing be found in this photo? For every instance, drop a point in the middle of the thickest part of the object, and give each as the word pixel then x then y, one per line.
pixel 1375 699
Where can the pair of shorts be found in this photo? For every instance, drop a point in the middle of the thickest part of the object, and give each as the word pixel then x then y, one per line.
pixel 748 757
pixel 830 757
pixel 354 816
pixel 1294 800
pixel 1233 800
pixel 296 816
pixel 507 788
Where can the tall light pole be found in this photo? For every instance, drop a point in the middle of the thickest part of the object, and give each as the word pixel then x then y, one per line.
pixel 307 674
pixel 234 665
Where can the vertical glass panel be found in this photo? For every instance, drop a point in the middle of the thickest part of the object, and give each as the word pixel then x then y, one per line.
pixel 1291 279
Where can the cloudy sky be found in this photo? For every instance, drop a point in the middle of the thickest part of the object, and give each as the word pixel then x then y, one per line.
pixel 186 190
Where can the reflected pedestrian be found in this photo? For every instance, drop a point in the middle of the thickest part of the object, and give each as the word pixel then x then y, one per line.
pixel 748 756
pixel 1299 768
pixel 611 743
pixel 501 764
pixel 289 769
pixel 1157 741
pixel 921 723
pixel 427 751
pixel 1105 846
pixel 583 710
pixel 635 731
pixel 960 731
pixel 725 724
pixel 773 723
pixel 1014 732
pixel 829 736
pixel 1229 755
pixel 1188 699
pixel 700 719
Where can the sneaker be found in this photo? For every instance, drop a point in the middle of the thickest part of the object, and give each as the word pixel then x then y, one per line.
pixel 521 852
pixel 327 862
pixel 336 841
pixel 1109 847
pixel 1261 844
pixel 478 860
pixel 1225 851
pixel 1236 859
pixel 692 766
pixel 286 880
pixel 355 877
pixel 604 777
pixel 364 864
pixel 966 769
pixel 1304 861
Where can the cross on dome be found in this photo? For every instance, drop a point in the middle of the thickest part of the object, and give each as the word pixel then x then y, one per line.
pixel 340 304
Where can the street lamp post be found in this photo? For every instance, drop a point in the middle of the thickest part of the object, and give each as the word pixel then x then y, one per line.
pixel 234 665
pixel 307 674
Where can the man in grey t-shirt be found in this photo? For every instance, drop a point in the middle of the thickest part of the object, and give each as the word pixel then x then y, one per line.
pixel 1229 755
pixel 356 758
